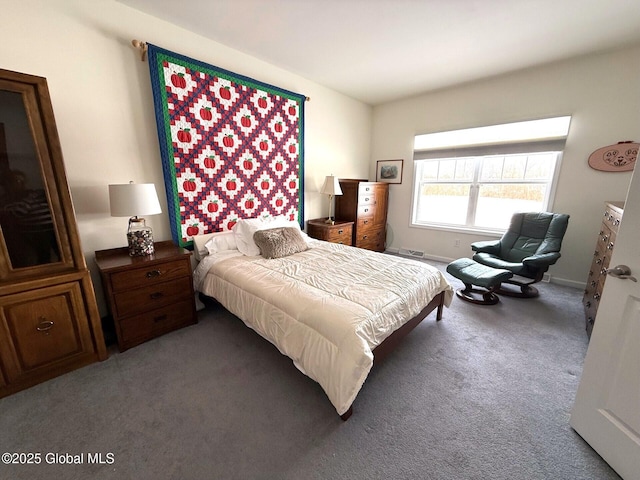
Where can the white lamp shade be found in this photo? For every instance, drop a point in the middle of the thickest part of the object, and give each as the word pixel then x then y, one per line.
pixel 133 199
pixel 331 186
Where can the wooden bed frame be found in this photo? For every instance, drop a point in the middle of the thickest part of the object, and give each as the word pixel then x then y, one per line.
pixel 390 343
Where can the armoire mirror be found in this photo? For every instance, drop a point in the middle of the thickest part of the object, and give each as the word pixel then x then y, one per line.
pixel 32 217
pixel 25 212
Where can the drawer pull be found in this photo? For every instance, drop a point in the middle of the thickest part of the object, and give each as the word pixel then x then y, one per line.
pixel 596 296
pixel 610 246
pixel 160 318
pixel 156 295
pixel 366 209
pixel 366 199
pixel 365 222
pixel 364 237
pixel 340 231
pixel 154 274
pixel 588 304
pixel 44 326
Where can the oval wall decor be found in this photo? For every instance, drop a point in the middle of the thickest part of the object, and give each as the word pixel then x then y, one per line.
pixel 620 157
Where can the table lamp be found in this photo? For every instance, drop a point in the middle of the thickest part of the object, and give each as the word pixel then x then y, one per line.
pixel 131 200
pixel 331 187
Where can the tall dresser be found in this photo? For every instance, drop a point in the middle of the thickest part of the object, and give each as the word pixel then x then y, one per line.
pixel 365 204
pixel 601 258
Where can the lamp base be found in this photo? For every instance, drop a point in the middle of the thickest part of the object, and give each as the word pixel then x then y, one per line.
pixel 330 221
pixel 140 238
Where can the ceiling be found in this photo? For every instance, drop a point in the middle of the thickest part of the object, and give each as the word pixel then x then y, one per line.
pixel 382 50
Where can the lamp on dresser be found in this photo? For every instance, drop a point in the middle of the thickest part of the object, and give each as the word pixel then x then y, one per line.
pixel 331 187
pixel 131 200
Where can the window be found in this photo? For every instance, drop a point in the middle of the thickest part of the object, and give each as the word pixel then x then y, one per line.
pixel 479 187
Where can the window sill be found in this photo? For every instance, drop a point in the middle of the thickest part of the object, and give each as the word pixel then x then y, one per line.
pixel 454 229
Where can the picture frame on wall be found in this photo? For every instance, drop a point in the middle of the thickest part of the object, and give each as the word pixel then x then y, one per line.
pixel 389 171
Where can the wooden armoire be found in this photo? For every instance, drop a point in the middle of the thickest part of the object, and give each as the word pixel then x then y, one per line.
pixel 49 320
pixel 365 204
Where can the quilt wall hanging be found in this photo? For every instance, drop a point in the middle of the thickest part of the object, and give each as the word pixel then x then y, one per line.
pixel 232 147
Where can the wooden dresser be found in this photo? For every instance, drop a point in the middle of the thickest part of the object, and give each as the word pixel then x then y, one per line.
pixel 365 204
pixel 338 232
pixel 148 295
pixel 601 258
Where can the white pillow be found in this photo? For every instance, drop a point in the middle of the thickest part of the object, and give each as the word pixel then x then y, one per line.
pixel 243 231
pixel 245 228
pixel 199 242
pixel 220 242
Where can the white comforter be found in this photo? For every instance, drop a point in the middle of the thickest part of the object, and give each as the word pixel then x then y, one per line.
pixel 326 308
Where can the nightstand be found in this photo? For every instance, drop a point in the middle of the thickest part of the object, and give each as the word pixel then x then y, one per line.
pixel 339 232
pixel 148 295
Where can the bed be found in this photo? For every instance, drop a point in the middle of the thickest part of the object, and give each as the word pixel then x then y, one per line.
pixel 330 308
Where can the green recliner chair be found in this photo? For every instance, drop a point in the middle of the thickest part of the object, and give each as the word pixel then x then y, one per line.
pixel 528 248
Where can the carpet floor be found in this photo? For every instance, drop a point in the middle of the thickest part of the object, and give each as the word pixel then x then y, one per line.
pixel 484 394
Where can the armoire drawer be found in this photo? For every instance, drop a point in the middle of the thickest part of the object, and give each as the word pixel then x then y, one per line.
pixel 46 329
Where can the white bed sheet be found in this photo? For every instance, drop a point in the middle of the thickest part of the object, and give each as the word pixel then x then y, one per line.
pixel 326 308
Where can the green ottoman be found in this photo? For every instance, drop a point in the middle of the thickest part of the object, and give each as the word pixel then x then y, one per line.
pixel 473 273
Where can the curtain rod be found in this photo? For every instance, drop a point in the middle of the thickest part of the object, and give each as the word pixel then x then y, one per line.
pixel 142 46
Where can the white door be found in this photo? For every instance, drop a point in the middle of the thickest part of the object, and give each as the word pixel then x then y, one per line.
pixel 606 412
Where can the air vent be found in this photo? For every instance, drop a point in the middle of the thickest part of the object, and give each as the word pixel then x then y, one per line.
pixel 407 252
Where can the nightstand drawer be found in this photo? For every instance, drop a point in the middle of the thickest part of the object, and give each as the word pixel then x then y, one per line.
pixel 153 296
pixel 139 328
pixel 339 232
pixel 150 275
pixel 340 235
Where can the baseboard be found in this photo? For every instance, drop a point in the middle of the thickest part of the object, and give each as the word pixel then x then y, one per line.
pixel 547 278
pixel 568 283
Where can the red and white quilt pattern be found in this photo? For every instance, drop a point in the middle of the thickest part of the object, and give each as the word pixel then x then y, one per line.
pixel 232 146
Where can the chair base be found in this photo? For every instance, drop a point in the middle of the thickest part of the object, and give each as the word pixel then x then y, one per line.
pixel 526 291
pixel 470 294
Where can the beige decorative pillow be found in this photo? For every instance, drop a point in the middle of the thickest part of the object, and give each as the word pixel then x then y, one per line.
pixel 279 242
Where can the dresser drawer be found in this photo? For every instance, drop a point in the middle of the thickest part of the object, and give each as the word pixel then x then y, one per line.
pixel 367 199
pixel 365 211
pixel 153 296
pixel 151 275
pixel 612 218
pixel 365 188
pixel 371 238
pixel 139 328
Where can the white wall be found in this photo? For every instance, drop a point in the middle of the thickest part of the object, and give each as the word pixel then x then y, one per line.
pixel 102 101
pixel 601 92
